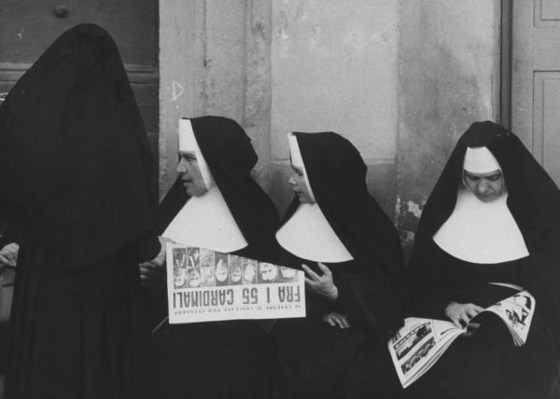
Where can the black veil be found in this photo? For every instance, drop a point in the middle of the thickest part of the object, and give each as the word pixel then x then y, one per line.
pixel 337 175
pixel 230 156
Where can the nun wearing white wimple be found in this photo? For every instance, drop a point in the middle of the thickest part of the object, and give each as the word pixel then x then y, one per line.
pixel 214 204
pixel 488 230
pixel 351 254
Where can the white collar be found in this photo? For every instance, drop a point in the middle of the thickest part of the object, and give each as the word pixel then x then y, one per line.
pixel 206 222
pixel 309 235
pixel 480 232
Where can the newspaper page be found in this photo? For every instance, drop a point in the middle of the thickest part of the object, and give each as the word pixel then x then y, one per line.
pixel 419 344
pixel 517 313
pixel 204 285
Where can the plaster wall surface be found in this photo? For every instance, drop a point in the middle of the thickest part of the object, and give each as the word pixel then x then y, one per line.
pixel 448 59
pixel 401 79
pixel 181 60
pixel 215 60
pixel 256 120
pixel 334 68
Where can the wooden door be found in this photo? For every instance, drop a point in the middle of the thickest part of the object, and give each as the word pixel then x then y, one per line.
pixel 28 27
pixel 535 79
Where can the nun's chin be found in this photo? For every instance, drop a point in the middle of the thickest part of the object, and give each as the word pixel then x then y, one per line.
pixel 488 198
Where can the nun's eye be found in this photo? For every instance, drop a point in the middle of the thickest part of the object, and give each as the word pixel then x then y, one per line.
pixel 297 171
pixel 189 159
pixel 472 178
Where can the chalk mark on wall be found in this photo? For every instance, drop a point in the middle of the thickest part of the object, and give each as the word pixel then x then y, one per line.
pixel 178 90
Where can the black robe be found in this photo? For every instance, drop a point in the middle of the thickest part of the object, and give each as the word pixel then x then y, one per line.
pixel 77 184
pixel 218 359
pixel 319 360
pixel 487 364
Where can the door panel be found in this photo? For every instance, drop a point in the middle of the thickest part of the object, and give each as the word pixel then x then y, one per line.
pixel 536 80
pixel 28 27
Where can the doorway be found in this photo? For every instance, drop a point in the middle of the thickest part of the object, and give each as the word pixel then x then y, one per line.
pixel 531 77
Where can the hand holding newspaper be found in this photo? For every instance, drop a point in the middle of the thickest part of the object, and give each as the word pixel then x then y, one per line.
pixel 419 344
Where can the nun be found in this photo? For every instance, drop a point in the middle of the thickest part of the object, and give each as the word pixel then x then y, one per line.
pixel 351 254
pixel 488 230
pixel 77 180
pixel 214 204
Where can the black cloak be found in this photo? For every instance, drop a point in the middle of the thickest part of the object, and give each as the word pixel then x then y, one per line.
pixel 75 164
pixel 323 360
pixel 77 183
pixel 231 359
pixel 533 200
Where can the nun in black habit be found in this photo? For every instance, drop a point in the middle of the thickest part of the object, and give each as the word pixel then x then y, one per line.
pixel 352 257
pixel 489 229
pixel 77 183
pixel 214 204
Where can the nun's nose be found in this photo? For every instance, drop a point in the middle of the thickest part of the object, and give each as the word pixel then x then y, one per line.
pixel 181 169
pixel 483 188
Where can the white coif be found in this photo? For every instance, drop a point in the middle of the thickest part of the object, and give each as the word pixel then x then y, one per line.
pixel 480 232
pixel 206 222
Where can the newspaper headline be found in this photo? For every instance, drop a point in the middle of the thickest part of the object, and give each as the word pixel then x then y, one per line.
pixel 204 285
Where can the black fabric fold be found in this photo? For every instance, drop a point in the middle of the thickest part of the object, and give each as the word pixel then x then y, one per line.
pixel 320 360
pixel 337 175
pixel 77 180
pixel 230 156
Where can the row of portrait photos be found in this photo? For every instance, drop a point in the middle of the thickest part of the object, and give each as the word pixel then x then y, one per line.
pixel 200 267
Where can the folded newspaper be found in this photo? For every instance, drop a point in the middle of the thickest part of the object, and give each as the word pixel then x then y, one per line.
pixel 205 285
pixel 418 345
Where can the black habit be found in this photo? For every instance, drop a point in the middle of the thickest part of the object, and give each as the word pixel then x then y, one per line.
pixel 218 359
pixel 323 361
pixel 487 364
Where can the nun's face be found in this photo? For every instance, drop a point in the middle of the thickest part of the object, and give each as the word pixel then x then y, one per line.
pixel 487 187
pixel 299 185
pixel 190 174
